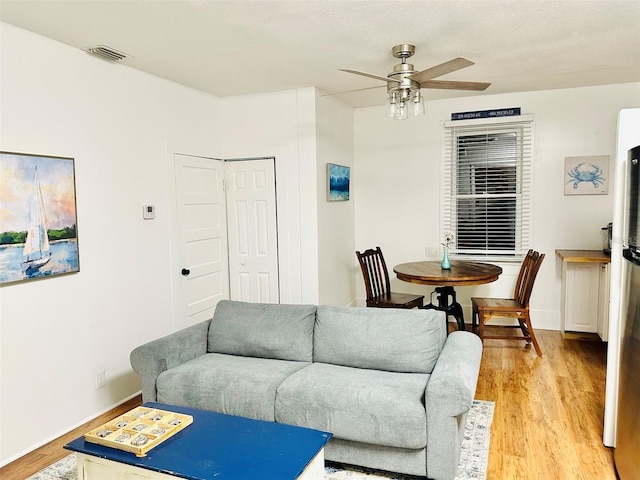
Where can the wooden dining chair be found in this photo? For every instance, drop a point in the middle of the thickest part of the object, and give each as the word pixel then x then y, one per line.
pixel 483 309
pixel 376 281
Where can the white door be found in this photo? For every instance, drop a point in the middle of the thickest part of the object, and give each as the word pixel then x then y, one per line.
pixel 202 237
pixel 253 237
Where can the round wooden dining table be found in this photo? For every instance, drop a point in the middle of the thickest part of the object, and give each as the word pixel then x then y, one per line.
pixel 462 273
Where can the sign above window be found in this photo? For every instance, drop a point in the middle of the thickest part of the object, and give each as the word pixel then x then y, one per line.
pixel 502 112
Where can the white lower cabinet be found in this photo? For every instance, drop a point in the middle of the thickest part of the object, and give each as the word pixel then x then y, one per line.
pixel 585 292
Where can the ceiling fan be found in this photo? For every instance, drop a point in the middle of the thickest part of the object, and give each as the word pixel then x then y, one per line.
pixel 404 83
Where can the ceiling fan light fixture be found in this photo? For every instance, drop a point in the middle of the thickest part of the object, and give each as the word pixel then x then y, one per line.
pixel 418 103
pixel 403 101
pixel 392 104
pixel 402 110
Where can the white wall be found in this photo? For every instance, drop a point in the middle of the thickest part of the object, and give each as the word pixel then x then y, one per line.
pixel 336 247
pixel 122 126
pixel 57 333
pixel 398 182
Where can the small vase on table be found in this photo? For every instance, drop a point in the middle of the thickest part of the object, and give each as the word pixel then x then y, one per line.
pixel 445 264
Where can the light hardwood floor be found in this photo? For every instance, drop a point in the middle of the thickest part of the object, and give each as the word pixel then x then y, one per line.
pixel 547 422
pixel 549 410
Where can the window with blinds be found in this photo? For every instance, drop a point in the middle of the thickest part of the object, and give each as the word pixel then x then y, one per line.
pixel 487 186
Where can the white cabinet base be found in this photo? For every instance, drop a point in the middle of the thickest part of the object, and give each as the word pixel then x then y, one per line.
pixel 585 292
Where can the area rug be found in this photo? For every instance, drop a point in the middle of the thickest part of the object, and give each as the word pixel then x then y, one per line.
pixel 472 466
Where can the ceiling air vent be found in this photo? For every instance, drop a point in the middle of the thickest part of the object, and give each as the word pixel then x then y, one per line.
pixel 107 53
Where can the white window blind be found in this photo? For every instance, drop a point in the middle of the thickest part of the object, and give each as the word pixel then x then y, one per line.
pixel 487 186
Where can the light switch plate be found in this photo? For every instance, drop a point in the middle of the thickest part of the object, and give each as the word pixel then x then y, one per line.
pixel 148 212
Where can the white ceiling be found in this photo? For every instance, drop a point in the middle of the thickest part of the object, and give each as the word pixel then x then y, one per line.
pixel 233 47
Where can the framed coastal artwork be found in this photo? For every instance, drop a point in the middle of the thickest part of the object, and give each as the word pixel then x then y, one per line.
pixel 38 220
pixel 586 175
pixel 338 178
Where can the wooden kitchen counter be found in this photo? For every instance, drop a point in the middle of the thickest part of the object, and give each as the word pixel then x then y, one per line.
pixel 583 256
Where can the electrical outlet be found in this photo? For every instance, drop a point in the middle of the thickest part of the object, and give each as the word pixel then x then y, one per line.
pixel 101 379
pixel 431 252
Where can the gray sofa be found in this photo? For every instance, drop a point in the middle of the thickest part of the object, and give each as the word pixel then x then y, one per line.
pixel 389 384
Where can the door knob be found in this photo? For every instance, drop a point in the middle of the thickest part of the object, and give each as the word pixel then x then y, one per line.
pixel 185 272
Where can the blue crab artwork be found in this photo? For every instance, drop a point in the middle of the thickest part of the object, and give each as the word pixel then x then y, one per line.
pixel 589 173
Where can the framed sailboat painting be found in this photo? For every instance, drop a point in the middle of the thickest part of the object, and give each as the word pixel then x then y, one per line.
pixel 38 219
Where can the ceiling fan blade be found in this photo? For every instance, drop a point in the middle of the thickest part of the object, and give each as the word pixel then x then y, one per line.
pixel 442 69
pixel 350 91
pixel 370 75
pixel 453 85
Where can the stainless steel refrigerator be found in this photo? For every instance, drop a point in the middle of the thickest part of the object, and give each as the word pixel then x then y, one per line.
pixel 627 451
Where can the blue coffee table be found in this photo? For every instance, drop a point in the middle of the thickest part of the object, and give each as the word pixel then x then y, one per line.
pixel 214 446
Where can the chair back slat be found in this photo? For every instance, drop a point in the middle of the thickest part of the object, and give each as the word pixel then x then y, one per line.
pixel 364 266
pixel 373 275
pixel 526 277
pixel 523 277
pixel 518 294
pixel 533 272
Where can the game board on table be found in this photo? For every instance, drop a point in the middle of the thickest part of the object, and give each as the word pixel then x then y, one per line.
pixel 139 430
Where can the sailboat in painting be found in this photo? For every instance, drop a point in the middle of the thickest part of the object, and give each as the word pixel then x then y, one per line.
pixel 36 247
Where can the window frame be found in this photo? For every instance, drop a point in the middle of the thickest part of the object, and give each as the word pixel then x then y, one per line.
pixel 523 127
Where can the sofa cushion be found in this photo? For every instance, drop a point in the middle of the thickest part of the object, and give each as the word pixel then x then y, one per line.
pixel 234 385
pixel 379 338
pixel 369 406
pixel 283 332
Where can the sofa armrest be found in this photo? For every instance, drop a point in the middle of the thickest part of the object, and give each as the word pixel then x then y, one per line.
pixel 453 381
pixel 448 398
pixel 153 358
